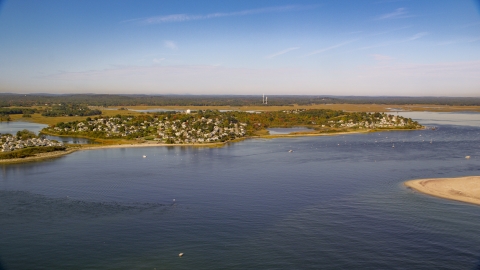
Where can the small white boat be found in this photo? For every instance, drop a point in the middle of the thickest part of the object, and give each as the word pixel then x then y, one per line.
pixel 180 255
pixel 144 156
pixel 467 157
pixel 290 151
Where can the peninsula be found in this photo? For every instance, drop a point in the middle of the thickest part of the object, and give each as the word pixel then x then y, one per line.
pixel 206 126
pixel 202 127
pixel 463 189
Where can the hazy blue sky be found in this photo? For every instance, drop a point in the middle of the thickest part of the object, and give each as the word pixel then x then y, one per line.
pixel 355 47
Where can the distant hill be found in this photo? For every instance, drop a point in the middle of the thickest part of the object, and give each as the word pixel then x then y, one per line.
pixel 11 99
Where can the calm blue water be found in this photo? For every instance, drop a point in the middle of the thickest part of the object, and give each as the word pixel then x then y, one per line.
pixel 444 118
pixel 275 131
pixel 14 126
pixel 335 202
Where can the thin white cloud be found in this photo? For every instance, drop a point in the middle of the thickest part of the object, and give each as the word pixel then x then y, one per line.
pixel 387 43
pixel 450 42
pixel 330 48
pixel 376 46
pixel 153 71
pixel 281 52
pixel 389 31
pixel 186 17
pixel 201 79
pixel 417 36
pixel 170 44
pixel 397 14
pixel 158 60
pixel 381 57
pixel 354 32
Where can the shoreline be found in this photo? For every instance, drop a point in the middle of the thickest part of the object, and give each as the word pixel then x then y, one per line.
pixel 135 144
pixel 463 189
pixel 56 154
pixel 312 134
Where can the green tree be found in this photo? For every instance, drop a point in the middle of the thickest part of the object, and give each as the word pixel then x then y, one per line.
pixel 26 134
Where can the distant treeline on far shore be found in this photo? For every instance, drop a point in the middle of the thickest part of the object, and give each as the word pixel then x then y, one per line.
pixel 22 100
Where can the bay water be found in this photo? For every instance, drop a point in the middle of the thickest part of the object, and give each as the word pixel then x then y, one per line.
pixel 333 202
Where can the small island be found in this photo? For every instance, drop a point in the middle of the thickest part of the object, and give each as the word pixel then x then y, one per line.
pixel 463 189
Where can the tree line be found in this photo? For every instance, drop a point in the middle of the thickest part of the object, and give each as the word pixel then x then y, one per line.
pixel 70 110
pixel 10 99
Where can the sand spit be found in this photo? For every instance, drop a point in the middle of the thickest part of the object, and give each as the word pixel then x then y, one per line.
pixel 39 157
pixel 464 189
pixel 56 154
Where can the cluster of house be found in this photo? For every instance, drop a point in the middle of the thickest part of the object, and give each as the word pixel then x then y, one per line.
pixel 193 130
pixel 201 130
pixel 386 121
pixel 11 143
pixel 372 122
pixel 296 111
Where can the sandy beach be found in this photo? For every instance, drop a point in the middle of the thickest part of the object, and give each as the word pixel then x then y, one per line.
pixel 464 189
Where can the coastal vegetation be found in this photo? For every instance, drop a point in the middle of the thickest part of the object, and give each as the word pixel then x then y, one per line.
pixel 206 126
pixel 30 152
pixel 5 118
pixel 10 110
pixel 326 120
pixel 70 110
pixel 6 112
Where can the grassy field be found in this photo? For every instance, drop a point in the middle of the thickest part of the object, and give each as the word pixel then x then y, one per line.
pixel 38 118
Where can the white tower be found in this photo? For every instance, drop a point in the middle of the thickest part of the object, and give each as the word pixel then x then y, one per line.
pixel 266 98
pixel 263 99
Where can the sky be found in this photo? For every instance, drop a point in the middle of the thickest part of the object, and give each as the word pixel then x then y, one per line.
pixel 227 47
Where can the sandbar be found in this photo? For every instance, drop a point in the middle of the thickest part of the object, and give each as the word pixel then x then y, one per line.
pixel 463 189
